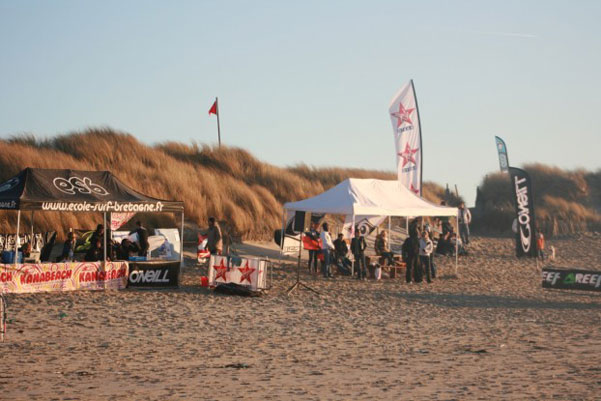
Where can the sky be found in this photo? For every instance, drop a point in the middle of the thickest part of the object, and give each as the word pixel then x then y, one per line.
pixel 310 82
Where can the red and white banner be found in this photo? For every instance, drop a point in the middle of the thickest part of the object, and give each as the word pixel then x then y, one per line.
pixel 43 277
pixel 407 137
pixel 119 219
pixel 251 273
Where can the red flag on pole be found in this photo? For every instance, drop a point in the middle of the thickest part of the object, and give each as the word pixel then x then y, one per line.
pixel 213 109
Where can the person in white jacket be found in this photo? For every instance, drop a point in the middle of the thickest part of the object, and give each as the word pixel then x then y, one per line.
pixel 425 251
pixel 465 218
pixel 327 246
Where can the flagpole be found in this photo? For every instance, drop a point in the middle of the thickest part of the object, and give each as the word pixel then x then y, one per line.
pixel 218 126
pixel 421 143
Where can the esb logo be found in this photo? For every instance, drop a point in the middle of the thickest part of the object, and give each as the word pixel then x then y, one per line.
pixel 149 276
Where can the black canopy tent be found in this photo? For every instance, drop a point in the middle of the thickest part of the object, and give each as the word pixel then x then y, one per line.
pixel 79 191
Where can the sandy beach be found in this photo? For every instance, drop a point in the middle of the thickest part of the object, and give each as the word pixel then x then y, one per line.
pixel 490 332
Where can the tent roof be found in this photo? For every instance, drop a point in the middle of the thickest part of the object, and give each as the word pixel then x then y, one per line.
pixel 77 191
pixel 364 197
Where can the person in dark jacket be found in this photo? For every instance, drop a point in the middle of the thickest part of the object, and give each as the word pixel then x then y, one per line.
pixel 142 238
pixel 68 248
pixel 127 249
pixel 411 256
pixel 97 235
pixel 358 246
pixel 95 253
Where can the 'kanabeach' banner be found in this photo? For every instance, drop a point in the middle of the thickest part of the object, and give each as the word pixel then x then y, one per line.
pixel 568 279
pixel 503 158
pixel 524 208
pixel 43 277
pixel 407 137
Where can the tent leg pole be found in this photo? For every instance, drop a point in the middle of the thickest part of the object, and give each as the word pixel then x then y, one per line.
pixel 104 232
pixel 456 244
pixel 282 233
pixel 181 244
pixel 389 237
pixel 17 237
pixel 353 236
pixel 32 226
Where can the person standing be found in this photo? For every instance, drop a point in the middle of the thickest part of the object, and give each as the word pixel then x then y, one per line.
pixel 425 251
pixel 214 240
pixel 68 248
pixel 314 235
pixel 465 218
pixel 142 238
pixel 411 256
pixel 327 246
pixel 540 245
pixel 358 246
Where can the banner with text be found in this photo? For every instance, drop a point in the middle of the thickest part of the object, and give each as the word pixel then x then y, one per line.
pixel 524 207
pixel 569 279
pixel 43 277
pixel 407 137
pixel 503 158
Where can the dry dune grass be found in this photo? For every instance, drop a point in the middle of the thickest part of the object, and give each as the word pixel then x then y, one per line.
pixel 228 183
pixel 565 201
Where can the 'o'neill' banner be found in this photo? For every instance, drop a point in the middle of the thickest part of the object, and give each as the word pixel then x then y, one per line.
pixel 503 158
pixel 404 115
pixel 524 207
pixel 572 279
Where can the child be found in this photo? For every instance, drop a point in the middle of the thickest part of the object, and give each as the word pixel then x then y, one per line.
pixel 540 244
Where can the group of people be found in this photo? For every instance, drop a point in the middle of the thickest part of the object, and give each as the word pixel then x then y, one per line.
pixel 417 251
pixel 115 251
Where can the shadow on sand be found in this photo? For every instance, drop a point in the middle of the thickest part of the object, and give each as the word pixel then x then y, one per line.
pixel 450 300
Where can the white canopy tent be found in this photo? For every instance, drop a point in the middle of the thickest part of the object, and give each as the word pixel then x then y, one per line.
pixel 369 197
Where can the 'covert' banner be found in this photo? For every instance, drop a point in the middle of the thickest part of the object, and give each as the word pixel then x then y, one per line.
pixel 524 207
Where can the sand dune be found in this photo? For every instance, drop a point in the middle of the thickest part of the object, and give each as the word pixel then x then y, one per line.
pixel 491 332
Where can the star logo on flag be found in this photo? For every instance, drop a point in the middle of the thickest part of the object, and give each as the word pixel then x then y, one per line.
pixel 403 115
pixel 413 189
pixel 245 273
pixel 221 270
pixel 407 154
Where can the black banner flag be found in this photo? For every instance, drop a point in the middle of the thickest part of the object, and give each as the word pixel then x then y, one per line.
pixel 524 207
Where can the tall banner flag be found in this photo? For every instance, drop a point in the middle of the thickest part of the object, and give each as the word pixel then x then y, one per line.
pixel 503 159
pixel 404 115
pixel 525 237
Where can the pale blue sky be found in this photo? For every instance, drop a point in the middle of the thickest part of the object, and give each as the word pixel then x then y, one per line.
pixel 311 81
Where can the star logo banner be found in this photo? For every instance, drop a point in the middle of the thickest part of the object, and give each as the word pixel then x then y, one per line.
pixel 251 273
pixel 404 116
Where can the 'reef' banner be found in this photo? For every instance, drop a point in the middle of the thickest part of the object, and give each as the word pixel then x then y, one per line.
pixel 251 273
pixel 568 279
pixel 525 236
pixel 503 158
pixel 44 277
pixel 404 115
